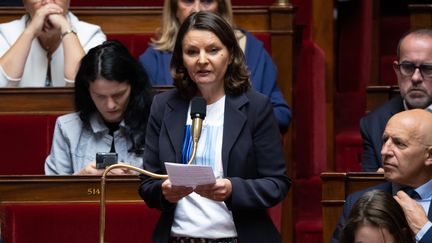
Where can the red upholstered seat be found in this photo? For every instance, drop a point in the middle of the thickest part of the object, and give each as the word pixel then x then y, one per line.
pixel 309 110
pixel 76 223
pixel 391 30
pixel 308 226
pixel 387 76
pixel 354 72
pixel 349 150
pixel 309 231
pixel 309 141
pixel 136 43
pixel 276 215
pixel 26 142
pixel 265 38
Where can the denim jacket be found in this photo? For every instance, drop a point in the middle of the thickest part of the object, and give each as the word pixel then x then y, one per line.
pixel 74 145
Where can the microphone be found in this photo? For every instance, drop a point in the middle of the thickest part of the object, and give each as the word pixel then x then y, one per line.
pixel 198 113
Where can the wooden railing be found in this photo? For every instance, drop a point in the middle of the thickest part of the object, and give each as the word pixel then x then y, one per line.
pixel 67 189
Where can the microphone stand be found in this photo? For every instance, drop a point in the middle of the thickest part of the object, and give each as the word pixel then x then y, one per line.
pixel 145 172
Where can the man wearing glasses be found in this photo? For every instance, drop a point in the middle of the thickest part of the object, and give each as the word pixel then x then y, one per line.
pixel 414 73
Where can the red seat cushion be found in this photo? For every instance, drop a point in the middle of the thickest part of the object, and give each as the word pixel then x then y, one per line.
pixel 307 208
pixel 70 223
pixel 309 110
pixel 387 76
pixel 308 231
pixel 349 150
pixel 136 43
pixel 265 38
pixel 26 142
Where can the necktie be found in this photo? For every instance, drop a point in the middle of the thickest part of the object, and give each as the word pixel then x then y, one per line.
pixel 412 193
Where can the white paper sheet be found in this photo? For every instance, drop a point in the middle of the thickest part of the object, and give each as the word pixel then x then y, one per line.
pixel 189 175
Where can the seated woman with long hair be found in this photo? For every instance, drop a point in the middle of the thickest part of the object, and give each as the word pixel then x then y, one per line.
pixel 112 102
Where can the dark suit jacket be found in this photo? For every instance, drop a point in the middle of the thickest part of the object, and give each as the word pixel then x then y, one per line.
pixel 372 128
pixel 352 198
pixel 252 159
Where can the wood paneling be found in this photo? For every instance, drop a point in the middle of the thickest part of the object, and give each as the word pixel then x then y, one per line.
pixel 323 36
pixel 282 39
pixel 420 15
pixel 136 20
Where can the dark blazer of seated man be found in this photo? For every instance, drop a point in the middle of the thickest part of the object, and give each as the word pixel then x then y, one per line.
pixel 414 73
pixel 407 163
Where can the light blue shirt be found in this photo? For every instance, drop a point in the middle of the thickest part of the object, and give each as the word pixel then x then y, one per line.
pixel 425 193
pixel 74 146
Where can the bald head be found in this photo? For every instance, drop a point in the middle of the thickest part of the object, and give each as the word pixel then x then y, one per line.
pixel 407 148
pixel 417 33
pixel 416 121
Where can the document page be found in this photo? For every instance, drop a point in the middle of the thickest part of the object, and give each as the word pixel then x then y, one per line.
pixel 189 175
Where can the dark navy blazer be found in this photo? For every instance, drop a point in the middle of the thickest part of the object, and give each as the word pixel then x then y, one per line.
pixel 372 128
pixel 252 159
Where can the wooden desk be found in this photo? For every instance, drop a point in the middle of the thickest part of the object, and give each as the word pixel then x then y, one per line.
pixel 27 204
pixel 36 100
pixel 67 189
pixel 335 188
pixel 55 100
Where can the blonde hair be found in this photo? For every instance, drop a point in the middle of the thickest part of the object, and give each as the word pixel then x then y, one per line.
pixel 166 35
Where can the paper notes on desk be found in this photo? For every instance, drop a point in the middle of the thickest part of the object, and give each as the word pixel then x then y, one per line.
pixel 189 175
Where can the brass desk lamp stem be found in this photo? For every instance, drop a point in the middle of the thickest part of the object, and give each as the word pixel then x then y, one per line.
pixel 145 172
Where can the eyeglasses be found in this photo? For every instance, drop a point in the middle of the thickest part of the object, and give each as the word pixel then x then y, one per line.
pixel 408 69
